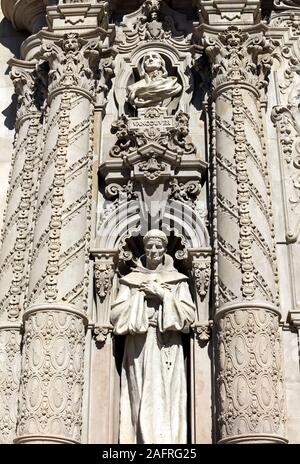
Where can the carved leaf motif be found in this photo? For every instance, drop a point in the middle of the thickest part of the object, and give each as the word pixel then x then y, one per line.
pixel 60 355
pixel 264 349
pixel 76 397
pixel 56 427
pixel 240 317
pixel 104 273
pixel 36 353
pixel 57 393
pixel 242 392
pixel 33 393
pixel 239 350
pixel 240 427
pixel 222 356
pixel 265 390
pixel 201 272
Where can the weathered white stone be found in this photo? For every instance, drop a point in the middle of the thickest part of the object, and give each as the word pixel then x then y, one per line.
pixel 166 121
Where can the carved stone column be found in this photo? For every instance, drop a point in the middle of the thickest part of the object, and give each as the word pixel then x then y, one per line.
pixel 55 318
pixel 251 405
pixel 16 240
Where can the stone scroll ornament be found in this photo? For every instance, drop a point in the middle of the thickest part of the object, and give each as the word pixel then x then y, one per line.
pixel 156 87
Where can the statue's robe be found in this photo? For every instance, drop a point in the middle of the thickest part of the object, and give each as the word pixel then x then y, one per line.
pixel 153 404
pixel 146 92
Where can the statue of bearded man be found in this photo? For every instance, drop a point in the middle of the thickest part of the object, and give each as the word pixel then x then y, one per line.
pixel 155 88
pixel 153 307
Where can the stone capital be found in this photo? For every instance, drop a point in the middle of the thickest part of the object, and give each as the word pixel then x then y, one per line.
pixel 237 55
pixel 73 62
pixel 24 77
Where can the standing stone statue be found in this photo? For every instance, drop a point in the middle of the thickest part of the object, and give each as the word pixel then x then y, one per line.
pixel 155 87
pixel 153 307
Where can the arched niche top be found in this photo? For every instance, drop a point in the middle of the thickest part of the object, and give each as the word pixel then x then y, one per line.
pixel 178 218
pixel 180 61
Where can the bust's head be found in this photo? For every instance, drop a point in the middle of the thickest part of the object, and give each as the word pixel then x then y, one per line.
pixel 155 245
pixel 152 62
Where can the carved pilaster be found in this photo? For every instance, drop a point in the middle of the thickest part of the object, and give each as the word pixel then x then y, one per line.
pixel 17 237
pixel 58 292
pixel 104 273
pixel 246 266
pixel 18 224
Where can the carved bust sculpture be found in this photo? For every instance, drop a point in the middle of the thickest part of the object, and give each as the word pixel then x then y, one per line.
pixel 155 86
pixel 153 307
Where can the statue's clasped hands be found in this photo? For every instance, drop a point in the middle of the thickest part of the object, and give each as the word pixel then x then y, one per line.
pixel 152 288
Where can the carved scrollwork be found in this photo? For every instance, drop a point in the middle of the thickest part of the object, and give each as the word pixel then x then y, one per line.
pixel 286 119
pixel 185 192
pixel 201 269
pixel 104 273
pixel 170 133
pixel 125 191
pixel 100 334
pixel 202 332
pixel 127 141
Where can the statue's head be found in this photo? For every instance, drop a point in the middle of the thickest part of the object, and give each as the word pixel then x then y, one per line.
pixel 155 245
pixel 153 61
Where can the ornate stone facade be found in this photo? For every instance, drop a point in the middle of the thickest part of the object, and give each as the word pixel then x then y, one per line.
pixel 179 120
